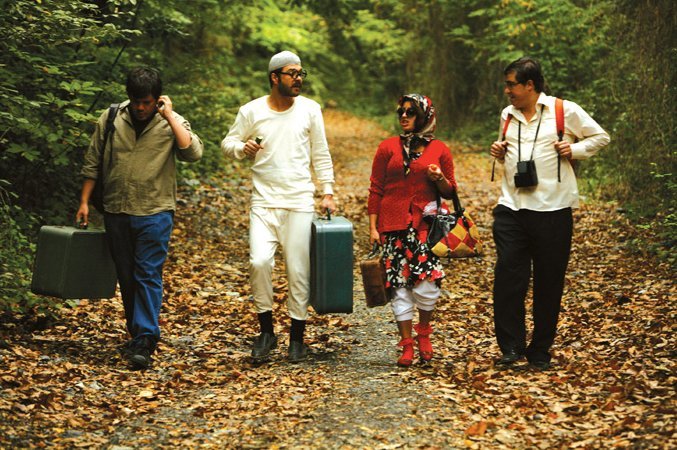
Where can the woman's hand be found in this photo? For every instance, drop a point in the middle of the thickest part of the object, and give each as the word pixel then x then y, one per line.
pixel 441 183
pixel 374 236
pixel 435 173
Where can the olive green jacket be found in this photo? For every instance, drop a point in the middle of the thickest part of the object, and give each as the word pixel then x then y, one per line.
pixel 139 175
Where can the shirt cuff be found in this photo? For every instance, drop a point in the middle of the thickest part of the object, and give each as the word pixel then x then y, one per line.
pixel 578 151
pixel 239 151
pixel 328 189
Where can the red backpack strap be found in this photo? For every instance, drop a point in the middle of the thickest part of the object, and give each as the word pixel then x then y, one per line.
pixel 507 124
pixel 559 117
pixel 559 121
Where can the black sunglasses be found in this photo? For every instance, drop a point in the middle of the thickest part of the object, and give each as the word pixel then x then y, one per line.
pixel 294 74
pixel 409 112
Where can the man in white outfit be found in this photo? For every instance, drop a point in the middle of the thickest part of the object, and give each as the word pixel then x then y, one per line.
pixel 283 133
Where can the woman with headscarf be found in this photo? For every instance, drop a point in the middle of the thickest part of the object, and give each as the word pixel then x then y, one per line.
pixel 409 171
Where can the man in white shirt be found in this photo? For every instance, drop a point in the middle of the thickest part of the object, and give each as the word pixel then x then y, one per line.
pixel 533 219
pixel 283 133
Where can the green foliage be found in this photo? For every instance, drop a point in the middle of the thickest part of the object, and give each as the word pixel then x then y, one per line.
pixel 15 257
pixel 636 100
pixel 49 80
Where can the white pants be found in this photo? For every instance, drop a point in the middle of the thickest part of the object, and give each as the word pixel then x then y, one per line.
pixel 270 227
pixel 423 296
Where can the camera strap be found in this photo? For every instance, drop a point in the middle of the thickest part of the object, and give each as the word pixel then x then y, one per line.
pixel 519 137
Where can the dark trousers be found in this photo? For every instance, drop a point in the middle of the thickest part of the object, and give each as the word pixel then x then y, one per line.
pixel 139 247
pixel 524 238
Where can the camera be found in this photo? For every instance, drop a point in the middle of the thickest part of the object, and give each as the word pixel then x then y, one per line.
pixel 526 174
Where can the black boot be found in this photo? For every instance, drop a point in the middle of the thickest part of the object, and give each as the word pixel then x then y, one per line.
pixel 263 345
pixel 298 351
pixel 140 351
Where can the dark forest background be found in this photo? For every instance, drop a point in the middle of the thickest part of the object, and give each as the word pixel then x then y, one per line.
pixel 63 61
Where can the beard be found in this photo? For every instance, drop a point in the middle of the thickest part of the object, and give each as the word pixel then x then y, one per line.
pixel 287 91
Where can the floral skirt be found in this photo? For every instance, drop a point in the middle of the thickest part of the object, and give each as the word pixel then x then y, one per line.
pixel 408 260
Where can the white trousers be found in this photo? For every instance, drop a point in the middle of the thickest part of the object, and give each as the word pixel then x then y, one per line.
pixel 268 228
pixel 423 296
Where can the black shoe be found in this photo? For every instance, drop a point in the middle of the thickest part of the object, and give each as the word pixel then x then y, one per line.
pixel 539 365
pixel 509 358
pixel 126 348
pixel 139 352
pixel 298 351
pixel 263 345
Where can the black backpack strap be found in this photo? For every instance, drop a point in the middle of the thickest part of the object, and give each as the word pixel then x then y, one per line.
pixel 110 123
pixel 110 129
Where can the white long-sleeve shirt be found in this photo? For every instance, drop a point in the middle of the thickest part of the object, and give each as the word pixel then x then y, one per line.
pixel 293 141
pixel 581 130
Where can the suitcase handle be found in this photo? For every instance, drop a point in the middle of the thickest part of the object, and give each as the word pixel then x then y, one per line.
pixel 375 251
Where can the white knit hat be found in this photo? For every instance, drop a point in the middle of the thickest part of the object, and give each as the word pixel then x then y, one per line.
pixel 282 59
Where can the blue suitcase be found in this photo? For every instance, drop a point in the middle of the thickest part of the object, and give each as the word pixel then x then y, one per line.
pixel 72 263
pixel 331 265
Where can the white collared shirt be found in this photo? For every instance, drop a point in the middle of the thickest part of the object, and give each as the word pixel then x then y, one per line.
pixel 581 130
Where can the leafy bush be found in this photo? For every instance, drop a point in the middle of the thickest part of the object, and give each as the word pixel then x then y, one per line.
pixel 16 256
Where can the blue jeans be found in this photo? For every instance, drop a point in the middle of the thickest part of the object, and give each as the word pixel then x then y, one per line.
pixel 139 246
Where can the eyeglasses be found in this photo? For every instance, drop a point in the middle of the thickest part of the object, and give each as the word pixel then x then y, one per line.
pixel 511 84
pixel 294 74
pixel 409 112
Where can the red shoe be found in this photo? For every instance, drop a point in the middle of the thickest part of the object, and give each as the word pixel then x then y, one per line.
pixel 425 348
pixel 407 356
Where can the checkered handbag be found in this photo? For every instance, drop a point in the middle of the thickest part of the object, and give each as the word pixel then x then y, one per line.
pixel 455 234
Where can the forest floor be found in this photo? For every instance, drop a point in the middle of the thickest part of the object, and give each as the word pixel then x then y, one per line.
pixel 611 384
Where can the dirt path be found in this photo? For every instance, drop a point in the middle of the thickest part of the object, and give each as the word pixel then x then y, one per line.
pixel 611 384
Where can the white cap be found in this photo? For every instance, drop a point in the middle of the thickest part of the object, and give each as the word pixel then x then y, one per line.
pixel 282 59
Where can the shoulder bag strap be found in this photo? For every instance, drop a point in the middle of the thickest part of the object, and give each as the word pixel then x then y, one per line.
pixel 456 202
pixel 454 199
pixel 505 126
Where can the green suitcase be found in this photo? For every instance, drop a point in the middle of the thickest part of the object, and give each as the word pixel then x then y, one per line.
pixel 73 263
pixel 331 265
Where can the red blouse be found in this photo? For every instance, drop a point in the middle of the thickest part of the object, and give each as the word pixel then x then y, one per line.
pixel 399 200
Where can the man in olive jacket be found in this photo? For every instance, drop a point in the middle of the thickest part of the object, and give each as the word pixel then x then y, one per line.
pixel 139 198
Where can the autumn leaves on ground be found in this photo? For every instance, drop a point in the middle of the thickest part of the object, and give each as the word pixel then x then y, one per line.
pixel 611 384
